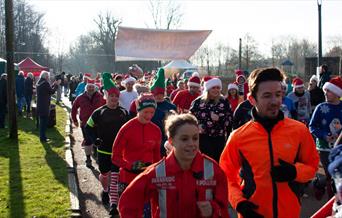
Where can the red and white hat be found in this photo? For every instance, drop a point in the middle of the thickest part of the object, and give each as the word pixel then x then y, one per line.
pixel 334 85
pixel 90 82
pixel 194 81
pixel 232 86
pixel 212 82
pixel 297 83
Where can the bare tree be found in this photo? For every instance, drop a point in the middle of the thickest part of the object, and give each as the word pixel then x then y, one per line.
pixel 165 14
pixel 105 36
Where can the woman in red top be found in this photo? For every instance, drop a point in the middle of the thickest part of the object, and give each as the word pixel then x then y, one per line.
pixel 136 146
pixel 232 96
pixel 185 184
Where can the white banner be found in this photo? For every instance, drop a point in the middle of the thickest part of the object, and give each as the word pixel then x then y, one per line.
pixel 153 44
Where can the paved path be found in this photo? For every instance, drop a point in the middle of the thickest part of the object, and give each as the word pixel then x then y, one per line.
pixel 88 183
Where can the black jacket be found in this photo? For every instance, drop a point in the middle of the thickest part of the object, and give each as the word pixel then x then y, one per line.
pixel 316 96
pixel 28 86
pixel 3 92
pixel 242 114
pixel 44 92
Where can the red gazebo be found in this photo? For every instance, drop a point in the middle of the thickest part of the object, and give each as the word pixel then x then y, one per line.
pixel 28 65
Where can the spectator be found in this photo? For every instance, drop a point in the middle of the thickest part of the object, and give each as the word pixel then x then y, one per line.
pixel 20 89
pixel 72 89
pixel 60 77
pixel 81 86
pixel 3 99
pixel 267 158
pixel 28 92
pixel 44 92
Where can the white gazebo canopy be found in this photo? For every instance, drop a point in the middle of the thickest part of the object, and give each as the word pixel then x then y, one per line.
pixel 180 64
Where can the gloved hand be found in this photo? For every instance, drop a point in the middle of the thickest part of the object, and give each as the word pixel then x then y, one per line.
pixel 137 166
pixel 285 172
pixel 98 142
pixel 247 209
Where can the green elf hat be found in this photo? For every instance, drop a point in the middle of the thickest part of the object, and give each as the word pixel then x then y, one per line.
pixel 158 83
pixel 109 85
pixel 145 100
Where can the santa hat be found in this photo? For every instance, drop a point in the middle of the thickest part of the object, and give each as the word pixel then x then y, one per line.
pixel 87 76
pixel 212 83
pixel 239 73
pixel 232 86
pixel 109 85
pixel 195 74
pixel 145 100
pixel 297 83
pixel 334 85
pixel 90 82
pixel 158 83
pixel 194 81
pixel 128 79
pixel 314 78
pixel 206 78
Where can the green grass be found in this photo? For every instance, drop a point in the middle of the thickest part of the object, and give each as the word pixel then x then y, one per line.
pixel 33 176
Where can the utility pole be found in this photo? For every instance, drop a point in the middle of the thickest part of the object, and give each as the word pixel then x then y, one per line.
pixel 12 112
pixel 319 60
pixel 240 50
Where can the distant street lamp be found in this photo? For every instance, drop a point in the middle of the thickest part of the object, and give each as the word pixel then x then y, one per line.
pixel 319 59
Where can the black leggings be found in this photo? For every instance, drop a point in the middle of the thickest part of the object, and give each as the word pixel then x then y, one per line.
pixel 212 146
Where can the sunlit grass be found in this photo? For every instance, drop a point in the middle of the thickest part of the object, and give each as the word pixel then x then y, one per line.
pixel 33 176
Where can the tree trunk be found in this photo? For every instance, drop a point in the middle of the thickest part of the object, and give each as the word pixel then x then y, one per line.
pixel 10 70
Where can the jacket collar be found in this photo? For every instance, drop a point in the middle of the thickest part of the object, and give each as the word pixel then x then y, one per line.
pixel 173 166
pixel 267 123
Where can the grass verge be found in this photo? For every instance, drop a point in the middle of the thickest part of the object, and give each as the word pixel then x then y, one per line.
pixel 33 176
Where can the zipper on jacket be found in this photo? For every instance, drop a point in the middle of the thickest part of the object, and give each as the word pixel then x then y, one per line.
pixel 274 184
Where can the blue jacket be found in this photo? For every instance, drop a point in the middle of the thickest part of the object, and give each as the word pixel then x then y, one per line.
pixel 20 86
pixel 326 120
pixel 80 88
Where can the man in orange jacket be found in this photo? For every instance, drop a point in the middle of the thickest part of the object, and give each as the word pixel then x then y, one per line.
pixel 267 159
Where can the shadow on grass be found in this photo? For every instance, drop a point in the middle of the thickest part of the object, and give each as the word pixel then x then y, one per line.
pixel 10 149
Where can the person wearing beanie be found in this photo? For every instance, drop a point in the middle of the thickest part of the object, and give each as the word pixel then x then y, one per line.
pixel 180 86
pixel 163 106
pixel 241 82
pixel 136 146
pixel 326 123
pixel 128 95
pixel 103 126
pixel 316 93
pixel 184 98
pixel 83 106
pixel 214 116
pixel 301 100
pixel 232 96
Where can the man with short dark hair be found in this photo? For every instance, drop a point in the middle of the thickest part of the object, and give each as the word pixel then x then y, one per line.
pixel 267 158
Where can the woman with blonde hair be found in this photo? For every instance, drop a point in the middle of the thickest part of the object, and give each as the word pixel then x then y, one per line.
pixel 214 116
